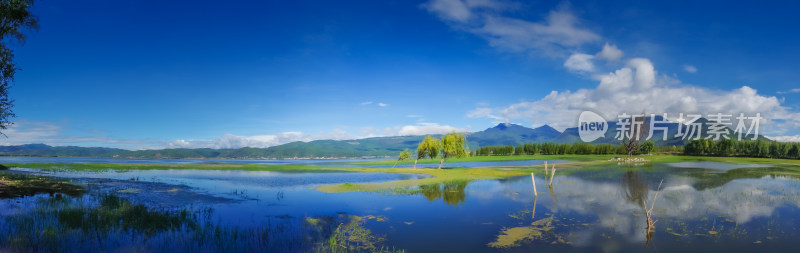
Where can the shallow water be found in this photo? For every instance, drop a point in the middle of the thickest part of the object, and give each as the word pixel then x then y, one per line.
pixel 518 163
pixel 699 208
pixel 35 159
pixel 716 165
pixel 316 162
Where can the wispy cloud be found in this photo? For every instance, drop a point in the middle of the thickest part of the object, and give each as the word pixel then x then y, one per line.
pixel 796 90
pixel 428 128
pixel 560 31
pixel 380 104
pixel 690 68
pixel 55 134
pixel 786 138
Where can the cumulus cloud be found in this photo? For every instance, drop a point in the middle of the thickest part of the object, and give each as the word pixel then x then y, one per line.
pixel 231 141
pixel 580 62
pixel 559 31
pixel 427 128
pixel 610 52
pixel 637 88
pixel 690 69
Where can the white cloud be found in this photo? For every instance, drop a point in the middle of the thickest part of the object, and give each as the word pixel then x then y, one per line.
pixel 371 102
pixel 368 132
pixel 28 132
pixel 616 212
pixel 179 144
pixel 555 34
pixel 461 10
pixel 637 88
pixel 795 90
pixel 788 138
pixel 610 52
pixel 231 141
pixel 690 69
pixel 427 128
pixel 24 132
pixel 483 112
pixel 580 62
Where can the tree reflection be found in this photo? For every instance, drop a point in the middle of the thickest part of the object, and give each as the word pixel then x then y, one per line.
pixel 634 187
pixel 451 192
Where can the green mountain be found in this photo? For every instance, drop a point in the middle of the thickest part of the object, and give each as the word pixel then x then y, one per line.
pixel 511 134
pixel 502 134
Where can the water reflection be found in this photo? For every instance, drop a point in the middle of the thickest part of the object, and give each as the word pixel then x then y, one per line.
pixel 634 187
pixel 451 193
pixel 588 210
pixel 102 223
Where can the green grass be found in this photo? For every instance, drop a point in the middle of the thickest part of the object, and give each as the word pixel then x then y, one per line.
pixel 14 185
pixel 439 176
pixel 682 158
pixel 495 159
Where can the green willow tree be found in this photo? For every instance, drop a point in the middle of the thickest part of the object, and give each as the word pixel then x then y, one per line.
pixel 647 147
pixel 454 145
pixel 403 156
pixel 429 147
pixel 15 17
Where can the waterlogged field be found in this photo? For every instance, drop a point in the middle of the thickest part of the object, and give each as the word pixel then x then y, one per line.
pixel 703 204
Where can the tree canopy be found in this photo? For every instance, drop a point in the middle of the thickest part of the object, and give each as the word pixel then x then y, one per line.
pixel 15 17
pixel 403 156
pixel 428 148
pixel 454 145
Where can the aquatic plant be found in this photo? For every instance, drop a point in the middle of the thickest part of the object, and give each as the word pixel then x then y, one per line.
pixel 538 230
pixel 13 185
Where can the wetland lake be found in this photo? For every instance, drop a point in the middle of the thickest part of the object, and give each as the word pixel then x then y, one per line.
pixel 590 207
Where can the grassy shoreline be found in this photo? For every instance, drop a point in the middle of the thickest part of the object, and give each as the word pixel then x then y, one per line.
pixel 490 159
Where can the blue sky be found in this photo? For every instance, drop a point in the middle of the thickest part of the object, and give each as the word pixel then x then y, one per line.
pixel 156 74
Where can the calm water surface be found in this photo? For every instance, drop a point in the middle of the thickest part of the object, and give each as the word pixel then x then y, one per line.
pixel 700 207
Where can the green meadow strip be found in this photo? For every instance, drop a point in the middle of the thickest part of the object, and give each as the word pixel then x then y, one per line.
pixel 586 162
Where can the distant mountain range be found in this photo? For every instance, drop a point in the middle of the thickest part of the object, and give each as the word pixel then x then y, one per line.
pixel 502 134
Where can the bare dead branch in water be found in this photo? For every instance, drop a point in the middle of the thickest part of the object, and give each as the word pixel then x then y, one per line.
pixel 651 224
